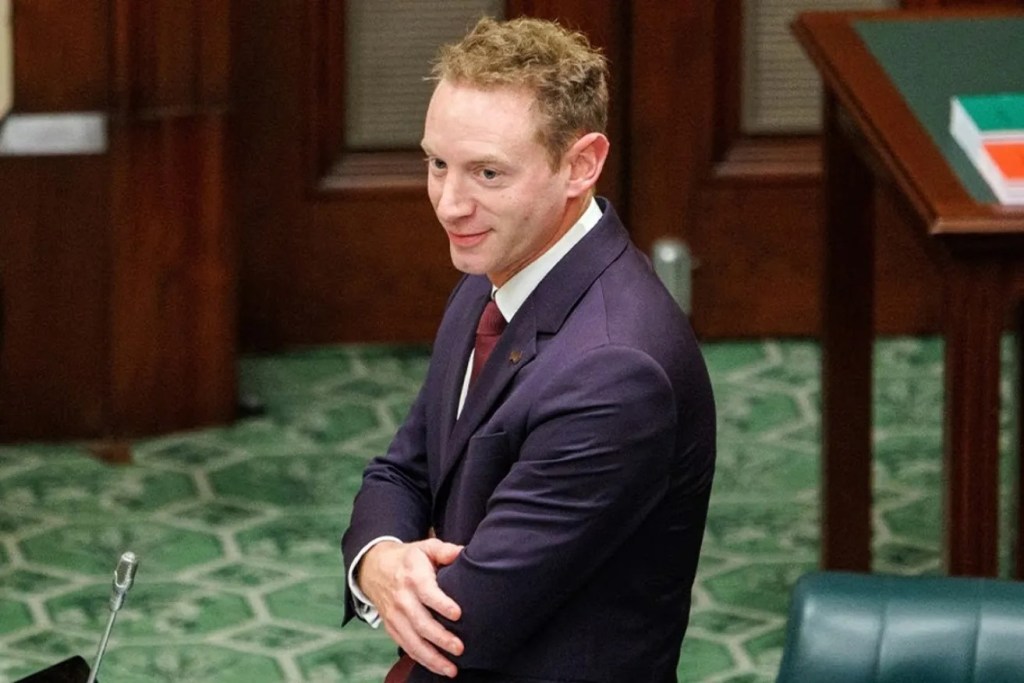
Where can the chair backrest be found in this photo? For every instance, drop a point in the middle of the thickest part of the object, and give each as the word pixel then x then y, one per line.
pixel 873 628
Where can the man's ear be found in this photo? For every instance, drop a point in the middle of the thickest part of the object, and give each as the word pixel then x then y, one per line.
pixel 586 159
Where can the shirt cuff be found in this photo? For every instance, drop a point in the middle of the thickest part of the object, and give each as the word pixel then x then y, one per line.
pixel 365 609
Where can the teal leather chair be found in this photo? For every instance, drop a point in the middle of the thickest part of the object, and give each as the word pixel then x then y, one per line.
pixel 874 628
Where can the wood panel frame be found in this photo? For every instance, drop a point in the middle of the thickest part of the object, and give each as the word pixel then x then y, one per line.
pixel 332 168
pixel 737 156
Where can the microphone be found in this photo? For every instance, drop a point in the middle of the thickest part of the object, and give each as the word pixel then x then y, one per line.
pixel 124 577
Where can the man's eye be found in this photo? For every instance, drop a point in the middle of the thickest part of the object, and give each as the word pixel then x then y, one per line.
pixel 436 164
pixel 489 174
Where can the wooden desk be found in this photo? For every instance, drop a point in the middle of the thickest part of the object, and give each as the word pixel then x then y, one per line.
pixel 881 124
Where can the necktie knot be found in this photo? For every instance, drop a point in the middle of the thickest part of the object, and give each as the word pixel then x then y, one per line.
pixel 488 331
pixel 492 322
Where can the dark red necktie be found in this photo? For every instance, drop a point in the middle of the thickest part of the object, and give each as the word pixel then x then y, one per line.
pixel 488 331
pixel 400 672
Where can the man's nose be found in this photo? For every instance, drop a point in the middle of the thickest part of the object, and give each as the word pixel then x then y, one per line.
pixel 454 201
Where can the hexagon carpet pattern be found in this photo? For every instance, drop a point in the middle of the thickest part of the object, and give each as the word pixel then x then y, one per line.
pixel 237 528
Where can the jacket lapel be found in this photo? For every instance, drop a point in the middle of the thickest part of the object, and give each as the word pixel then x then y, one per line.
pixel 456 346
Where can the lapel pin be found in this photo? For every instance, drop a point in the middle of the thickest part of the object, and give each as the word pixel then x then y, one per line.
pixel 515 356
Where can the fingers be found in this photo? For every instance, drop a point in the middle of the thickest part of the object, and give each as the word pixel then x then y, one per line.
pixel 402 582
pixel 421 578
pixel 416 630
pixel 420 649
pixel 439 552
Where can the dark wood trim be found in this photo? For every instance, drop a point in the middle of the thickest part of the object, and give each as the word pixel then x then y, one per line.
pixel 375 171
pixel 728 45
pixel 771 160
pixel 672 90
pixel 172 299
pixel 334 170
pixel 120 58
pixel 739 157
pixel 325 88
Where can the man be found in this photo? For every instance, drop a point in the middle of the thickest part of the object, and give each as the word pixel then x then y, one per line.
pixel 541 520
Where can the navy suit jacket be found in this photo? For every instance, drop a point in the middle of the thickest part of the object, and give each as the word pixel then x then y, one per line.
pixel 577 475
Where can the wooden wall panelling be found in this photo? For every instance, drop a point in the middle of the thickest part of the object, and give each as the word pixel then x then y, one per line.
pixel 671 119
pixel 54 234
pixel 54 267
pixel 62 55
pixel 118 268
pixel 671 94
pixel 268 176
pixel 172 301
pixel 173 297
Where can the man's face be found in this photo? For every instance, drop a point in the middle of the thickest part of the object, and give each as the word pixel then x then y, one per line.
pixel 490 180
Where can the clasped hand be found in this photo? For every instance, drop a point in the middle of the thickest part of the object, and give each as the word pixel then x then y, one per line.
pixel 400 579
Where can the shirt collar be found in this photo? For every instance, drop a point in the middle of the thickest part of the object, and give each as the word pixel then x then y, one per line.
pixel 511 295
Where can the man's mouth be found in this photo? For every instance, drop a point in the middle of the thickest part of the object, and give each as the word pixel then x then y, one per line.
pixel 470 239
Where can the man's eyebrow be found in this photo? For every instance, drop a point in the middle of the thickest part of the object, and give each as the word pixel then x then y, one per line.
pixel 484 160
pixel 489 160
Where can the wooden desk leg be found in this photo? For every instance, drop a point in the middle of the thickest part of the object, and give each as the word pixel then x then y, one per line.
pixel 1018 489
pixel 847 337
pixel 974 318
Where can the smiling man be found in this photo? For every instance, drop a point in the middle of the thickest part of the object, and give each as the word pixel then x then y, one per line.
pixel 539 515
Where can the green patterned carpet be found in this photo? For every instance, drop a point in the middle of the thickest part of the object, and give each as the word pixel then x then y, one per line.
pixel 237 528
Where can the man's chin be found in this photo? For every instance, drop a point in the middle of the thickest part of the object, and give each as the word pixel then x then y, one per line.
pixel 469 266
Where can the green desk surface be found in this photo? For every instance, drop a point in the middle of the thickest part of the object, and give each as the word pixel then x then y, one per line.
pixel 931 60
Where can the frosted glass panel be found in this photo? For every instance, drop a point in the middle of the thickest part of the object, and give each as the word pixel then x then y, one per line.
pixel 389 46
pixel 781 90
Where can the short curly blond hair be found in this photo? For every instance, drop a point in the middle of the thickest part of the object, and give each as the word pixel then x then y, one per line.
pixel 568 76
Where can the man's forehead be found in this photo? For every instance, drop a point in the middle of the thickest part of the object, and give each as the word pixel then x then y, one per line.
pixel 481 125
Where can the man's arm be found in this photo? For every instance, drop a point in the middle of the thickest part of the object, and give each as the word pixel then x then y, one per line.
pixel 394 499
pixel 399 576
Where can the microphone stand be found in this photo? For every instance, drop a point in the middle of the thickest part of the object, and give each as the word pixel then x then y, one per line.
pixel 102 648
pixel 124 577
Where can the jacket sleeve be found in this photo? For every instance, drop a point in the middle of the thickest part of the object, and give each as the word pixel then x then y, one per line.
pixel 394 499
